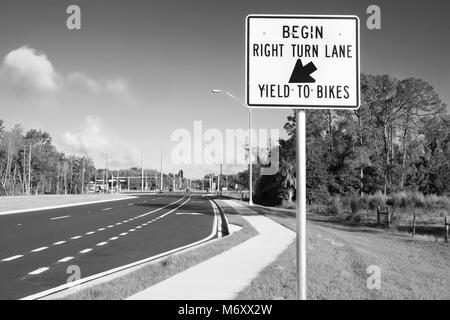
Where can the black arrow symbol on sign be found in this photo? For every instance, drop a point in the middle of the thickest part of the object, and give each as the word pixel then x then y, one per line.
pixel 301 74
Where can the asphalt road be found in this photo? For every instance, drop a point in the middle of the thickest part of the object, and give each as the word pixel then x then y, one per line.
pixel 37 248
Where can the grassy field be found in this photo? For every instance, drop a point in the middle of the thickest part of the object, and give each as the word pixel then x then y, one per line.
pixel 153 273
pixel 29 202
pixel 338 255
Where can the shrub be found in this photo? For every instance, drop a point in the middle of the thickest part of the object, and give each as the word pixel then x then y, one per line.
pixel 396 218
pixel 446 205
pixel 376 200
pixel 335 205
pixel 356 217
pixel 418 199
pixel 433 201
pixel 319 209
pixel 356 204
pixel 287 205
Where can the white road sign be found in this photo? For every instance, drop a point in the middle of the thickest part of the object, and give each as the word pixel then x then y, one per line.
pixel 309 62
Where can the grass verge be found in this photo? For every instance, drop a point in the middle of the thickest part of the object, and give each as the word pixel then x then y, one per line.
pixel 338 256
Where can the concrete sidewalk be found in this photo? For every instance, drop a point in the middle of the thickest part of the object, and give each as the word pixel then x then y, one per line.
pixel 225 275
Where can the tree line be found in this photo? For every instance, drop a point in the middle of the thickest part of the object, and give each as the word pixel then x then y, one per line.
pixel 30 164
pixel 399 139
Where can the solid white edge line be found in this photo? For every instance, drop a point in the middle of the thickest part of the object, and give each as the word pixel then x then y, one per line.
pixel 111 271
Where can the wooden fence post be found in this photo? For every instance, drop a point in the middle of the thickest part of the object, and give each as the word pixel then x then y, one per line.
pixel 388 216
pixel 446 228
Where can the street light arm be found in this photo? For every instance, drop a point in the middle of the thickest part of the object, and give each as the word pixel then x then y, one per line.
pixel 232 97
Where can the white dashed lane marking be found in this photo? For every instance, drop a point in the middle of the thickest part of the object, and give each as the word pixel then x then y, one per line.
pixel 86 250
pixel 61 217
pixel 102 243
pixel 123 234
pixel 90 232
pixel 106 209
pixel 114 238
pixel 39 249
pixel 59 242
pixel 76 237
pixel 38 271
pixel 13 258
pixel 65 259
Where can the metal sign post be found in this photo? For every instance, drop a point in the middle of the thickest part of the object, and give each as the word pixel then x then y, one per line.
pixel 301 203
pixel 302 62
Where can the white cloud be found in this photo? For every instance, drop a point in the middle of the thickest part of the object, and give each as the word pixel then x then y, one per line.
pixel 78 78
pixel 26 70
pixel 117 85
pixel 95 141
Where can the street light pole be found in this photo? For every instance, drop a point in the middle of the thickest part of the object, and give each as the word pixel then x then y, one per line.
pixel 161 173
pixel 82 177
pixel 250 145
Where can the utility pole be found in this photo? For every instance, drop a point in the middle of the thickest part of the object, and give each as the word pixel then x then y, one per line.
pixel 142 170
pixel 218 181
pixel 161 173
pixel 118 180
pixel 29 172
pixel 106 174
pixel 24 173
pixel 82 177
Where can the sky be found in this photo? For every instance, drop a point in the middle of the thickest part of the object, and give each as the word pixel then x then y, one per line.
pixel 138 70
